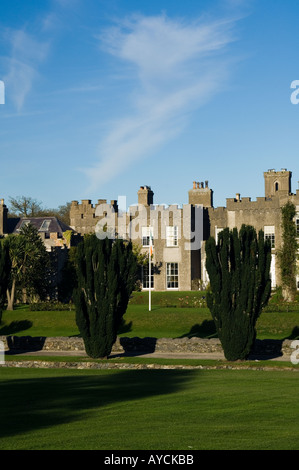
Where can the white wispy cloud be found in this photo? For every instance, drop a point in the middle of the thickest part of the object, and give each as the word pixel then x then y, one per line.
pixel 175 67
pixel 25 54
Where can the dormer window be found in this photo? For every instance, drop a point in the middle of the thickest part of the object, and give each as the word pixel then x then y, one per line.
pixel 23 224
pixel 45 226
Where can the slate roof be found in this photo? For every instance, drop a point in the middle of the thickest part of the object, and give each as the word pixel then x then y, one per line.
pixel 43 224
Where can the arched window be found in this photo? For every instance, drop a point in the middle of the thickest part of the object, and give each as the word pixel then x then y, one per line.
pixel 276 186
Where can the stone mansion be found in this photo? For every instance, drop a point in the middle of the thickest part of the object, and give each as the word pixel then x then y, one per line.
pixel 176 235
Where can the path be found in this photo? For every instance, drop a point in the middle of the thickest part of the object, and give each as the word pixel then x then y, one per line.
pixel 154 355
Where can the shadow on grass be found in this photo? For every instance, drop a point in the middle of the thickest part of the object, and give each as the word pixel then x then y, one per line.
pixel 206 329
pixel 294 334
pixel 15 327
pixel 125 327
pixel 46 400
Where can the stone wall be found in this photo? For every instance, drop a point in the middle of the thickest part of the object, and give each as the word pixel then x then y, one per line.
pixel 267 348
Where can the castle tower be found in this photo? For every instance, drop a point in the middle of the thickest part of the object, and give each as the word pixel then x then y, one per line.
pixel 3 217
pixel 277 182
pixel 201 194
pixel 145 196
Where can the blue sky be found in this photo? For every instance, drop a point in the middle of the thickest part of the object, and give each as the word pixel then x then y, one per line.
pixel 103 96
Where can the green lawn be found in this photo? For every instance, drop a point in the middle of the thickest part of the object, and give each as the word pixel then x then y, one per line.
pixel 168 322
pixel 148 409
pixel 23 322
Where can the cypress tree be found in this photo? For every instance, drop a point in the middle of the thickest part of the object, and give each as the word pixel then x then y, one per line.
pixel 240 286
pixel 106 275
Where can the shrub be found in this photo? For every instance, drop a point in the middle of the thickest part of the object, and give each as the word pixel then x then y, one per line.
pixel 106 274
pixel 50 306
pixel 287 255
pixel 238 267
pixel 181 299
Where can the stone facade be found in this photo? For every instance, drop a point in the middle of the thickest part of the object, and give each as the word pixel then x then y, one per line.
pixel 83 216
pixel 177 263
pixel 264 213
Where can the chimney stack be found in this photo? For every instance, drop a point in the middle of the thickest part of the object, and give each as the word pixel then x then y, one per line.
pixel 145 196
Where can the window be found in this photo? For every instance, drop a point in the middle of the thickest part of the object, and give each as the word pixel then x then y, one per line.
pixel 297 227
pixel 172 275
pixel 145 278
pixel 146 233
pixel 269 231
pixel 172 236
pixel 45 226
pixel 271 237
pixel 23 224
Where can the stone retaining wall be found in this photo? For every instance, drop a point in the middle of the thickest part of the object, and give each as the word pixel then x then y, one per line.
pixel 144 345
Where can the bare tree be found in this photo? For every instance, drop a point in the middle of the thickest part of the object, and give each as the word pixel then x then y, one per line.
pixel 23 206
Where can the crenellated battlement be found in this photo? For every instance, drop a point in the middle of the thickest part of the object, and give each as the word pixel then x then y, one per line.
pixel 84 216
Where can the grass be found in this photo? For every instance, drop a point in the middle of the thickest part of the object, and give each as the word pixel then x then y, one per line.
pixel 148 410
pixel 23 322
pixel 175 409
pixel 161 322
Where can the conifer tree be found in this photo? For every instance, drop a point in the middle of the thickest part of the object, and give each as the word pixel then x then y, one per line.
pixel 106 275
pixel 238 268
pixel 288 254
